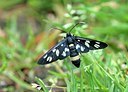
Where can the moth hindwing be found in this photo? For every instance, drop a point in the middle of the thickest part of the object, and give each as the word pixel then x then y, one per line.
pixel 71 46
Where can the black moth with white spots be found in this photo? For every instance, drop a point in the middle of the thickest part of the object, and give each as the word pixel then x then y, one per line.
pixel 71 46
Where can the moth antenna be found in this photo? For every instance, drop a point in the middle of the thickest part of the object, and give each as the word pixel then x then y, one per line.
pixel 76 25
pixel 56 29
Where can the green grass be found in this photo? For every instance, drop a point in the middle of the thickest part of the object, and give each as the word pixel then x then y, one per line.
pixel 25 35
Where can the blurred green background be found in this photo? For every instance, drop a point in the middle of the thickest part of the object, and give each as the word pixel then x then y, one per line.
pixel 25 35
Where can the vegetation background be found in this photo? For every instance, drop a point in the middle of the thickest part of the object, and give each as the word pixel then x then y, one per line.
pixel 25 35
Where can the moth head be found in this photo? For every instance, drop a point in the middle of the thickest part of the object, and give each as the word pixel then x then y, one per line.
pixel 68 35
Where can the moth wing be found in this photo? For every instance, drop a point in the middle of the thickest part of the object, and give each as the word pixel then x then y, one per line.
pixel 83 45
pixel 55 53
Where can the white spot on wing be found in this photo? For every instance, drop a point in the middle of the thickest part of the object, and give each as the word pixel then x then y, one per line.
pixel 77 46
pixel 98 42
pixel 66 49
pixel 70 45
pixel 45 56
pixel 82 48
pixel 54 50
pixel 87 41
pixel 87 44
pixel 57 52
pixel 64 54
pixel 62 44
pixel 49 59
pixel 78 40
pixel 96 45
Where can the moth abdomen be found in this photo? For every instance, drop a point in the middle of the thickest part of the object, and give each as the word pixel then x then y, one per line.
pixel 76 60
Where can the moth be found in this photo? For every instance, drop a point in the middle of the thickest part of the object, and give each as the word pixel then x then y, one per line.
pixel 71 46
